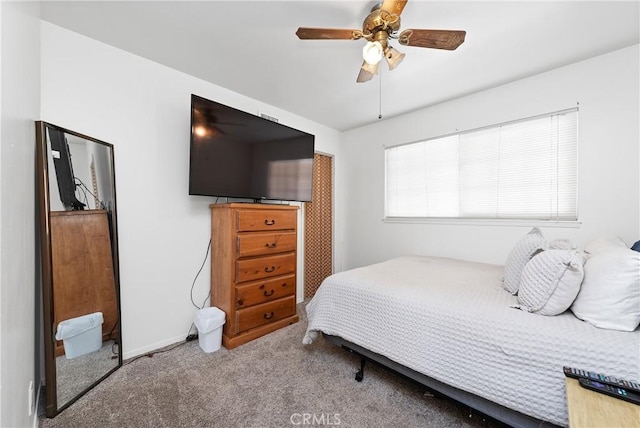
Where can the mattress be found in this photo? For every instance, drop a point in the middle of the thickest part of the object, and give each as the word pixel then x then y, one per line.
pixel 452 320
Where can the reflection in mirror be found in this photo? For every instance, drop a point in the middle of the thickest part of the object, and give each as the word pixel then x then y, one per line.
pixel 76 185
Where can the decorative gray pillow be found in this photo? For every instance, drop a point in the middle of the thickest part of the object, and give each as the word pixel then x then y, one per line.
pixel 550 282
pixel 520 254
pixel 559 244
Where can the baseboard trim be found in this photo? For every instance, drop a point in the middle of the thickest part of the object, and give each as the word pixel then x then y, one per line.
pixel 36 410
pixel 153 347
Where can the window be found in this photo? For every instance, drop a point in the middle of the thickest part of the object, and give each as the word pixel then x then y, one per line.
pixel 519 170
pixel 290 178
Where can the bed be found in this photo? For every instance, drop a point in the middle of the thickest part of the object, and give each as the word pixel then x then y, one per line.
pixel 451 325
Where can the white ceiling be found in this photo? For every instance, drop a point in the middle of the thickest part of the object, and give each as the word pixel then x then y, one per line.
pixel 250 47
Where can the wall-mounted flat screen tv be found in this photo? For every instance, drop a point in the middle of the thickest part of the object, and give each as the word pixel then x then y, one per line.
pixel 240 155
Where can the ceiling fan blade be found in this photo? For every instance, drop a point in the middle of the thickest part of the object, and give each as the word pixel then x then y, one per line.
pixel 305 33
pixel 436 39
pixel 394 7
pixel 367 71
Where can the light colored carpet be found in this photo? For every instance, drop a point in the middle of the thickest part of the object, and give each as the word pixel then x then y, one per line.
pixel 77 374
pixel 273 381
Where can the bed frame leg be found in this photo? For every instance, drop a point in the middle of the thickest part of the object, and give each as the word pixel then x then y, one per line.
pixel 360 373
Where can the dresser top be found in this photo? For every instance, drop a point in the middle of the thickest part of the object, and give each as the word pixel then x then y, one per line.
pixel 252 206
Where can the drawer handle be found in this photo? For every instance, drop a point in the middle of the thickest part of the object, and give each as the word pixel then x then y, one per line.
pixel 269 315
pixel 240 302
pixel 270 245
pixel 269 222
pixel 268 293
pixel 270 269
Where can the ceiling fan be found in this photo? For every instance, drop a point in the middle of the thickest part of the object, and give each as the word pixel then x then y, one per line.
pixel 382 24
pixel 206 124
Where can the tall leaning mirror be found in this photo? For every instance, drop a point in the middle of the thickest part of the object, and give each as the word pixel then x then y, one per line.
pixel 79 255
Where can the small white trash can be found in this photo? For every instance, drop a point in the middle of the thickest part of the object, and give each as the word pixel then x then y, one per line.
pixel 81 335
pixel 209 322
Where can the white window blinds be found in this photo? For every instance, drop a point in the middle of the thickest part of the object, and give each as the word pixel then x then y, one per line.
pixel 519 170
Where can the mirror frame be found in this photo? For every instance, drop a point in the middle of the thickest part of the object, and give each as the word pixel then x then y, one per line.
pixel 44 224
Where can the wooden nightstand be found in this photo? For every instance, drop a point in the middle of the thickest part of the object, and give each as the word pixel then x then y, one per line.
pixel 593 409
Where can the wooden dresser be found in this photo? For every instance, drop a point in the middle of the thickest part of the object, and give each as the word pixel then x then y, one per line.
pixel 253 268
pixel 83 276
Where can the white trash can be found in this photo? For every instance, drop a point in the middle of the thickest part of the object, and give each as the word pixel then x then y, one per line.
pixel 209 322
pixel 81 335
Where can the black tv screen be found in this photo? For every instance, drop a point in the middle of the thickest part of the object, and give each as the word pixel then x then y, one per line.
pixel 64 168
pixel 241 155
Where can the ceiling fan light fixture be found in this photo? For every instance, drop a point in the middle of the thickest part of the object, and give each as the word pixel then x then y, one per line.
pixel 393 57
pixel 200 131
pixel 367 71
pixel 372 52
pixel 371 68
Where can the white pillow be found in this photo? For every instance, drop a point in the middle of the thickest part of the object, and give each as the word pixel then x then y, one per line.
pixel 610 293
pixel 550 282
pixel 600 245
pixel 520 254
pixel 559 244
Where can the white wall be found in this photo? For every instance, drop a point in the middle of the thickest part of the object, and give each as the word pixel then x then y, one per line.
pixel 143 109
pixel 19 107
pixel 607 90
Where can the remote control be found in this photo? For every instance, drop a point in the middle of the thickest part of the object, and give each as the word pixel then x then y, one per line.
pixel 609 380
pixel 613 391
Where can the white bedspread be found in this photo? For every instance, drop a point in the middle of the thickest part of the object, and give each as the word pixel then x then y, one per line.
pixel 451 320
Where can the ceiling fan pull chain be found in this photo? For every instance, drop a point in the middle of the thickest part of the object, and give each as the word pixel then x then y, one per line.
pixel 380 98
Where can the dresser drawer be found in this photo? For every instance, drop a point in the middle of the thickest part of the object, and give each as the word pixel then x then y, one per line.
pixel 264 313
pixel 258 244
pixel 256 220
pixel 264 291
pixel 265 267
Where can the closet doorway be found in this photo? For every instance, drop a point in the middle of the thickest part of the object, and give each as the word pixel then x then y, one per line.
pixel 318 226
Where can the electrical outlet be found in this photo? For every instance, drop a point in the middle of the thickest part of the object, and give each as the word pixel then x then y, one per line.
pixel 30 399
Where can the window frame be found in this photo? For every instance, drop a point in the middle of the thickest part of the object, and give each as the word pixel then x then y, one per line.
pixel 497 221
